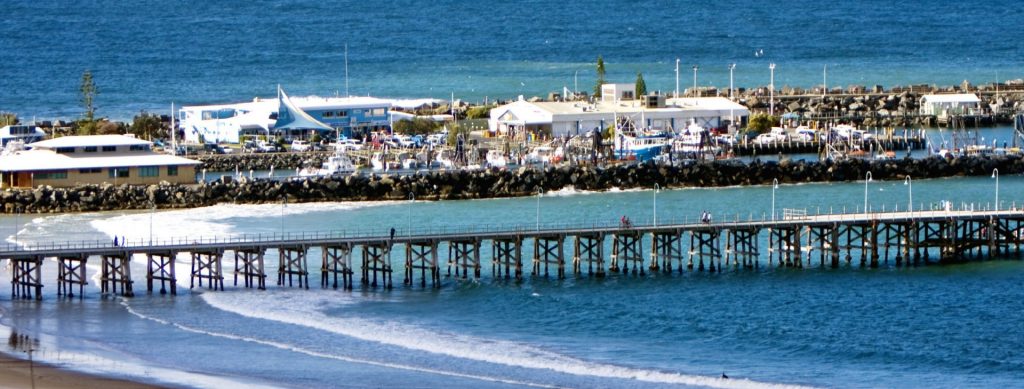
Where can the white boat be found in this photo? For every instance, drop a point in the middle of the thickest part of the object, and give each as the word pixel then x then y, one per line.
pixel 544 155
pixel 377 161
pixel 496 158
pixel 443 160
pixel 337 164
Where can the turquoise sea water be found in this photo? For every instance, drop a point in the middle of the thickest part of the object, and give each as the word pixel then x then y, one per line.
pixel 147 54
pixel 928 326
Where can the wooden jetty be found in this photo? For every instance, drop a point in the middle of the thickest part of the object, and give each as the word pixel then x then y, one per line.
pixel 795 240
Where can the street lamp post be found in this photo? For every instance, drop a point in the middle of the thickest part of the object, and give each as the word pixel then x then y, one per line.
pixel 771 90
pixel 152 210
pixel 695 80
pixel 412 200
pixel 284 202
pixel 995 174
pixel 17 225
pixel 867 179
pixel 910 195
pixel 775 185
pixel 656 189
pixel 540 192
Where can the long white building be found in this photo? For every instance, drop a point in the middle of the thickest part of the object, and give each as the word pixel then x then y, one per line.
pixel 291 117
pixel 575 117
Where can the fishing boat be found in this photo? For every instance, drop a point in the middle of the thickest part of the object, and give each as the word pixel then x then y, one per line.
pixel 640 144
pixel 496 158
pixel 337 164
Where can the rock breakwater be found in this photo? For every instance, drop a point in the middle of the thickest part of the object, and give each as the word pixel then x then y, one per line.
pixel 454 185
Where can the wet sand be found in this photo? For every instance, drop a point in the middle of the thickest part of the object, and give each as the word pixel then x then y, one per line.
pixel 18 373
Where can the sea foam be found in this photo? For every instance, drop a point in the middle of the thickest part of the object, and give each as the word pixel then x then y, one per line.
pixel 300 309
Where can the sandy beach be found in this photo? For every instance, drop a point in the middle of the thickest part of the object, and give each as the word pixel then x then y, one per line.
pixel 18 373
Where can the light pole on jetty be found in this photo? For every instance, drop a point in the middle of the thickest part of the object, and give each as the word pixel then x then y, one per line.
pixel 910 195
pixel 412 200
pixel 656 189
pixel 995 174
pixel 775 185
pixel 284 202
pixel 677 78
pixel 867 179
pixel 540 192
pixel 771 90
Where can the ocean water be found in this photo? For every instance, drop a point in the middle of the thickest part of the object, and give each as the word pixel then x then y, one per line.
pixel 926 326
pixel 147 54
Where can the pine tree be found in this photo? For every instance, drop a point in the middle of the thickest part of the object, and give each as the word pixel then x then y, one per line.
pixel 641 86
pixel 89 92
pixel 600 76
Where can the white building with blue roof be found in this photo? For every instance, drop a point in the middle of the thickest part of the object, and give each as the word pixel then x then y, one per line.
pixel 290 117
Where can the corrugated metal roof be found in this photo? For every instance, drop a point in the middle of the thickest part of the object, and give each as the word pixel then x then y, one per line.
pixel 89 140
pixel 951 98
pixel 36 160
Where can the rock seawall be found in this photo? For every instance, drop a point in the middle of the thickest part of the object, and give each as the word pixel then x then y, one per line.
pixel 487 183
pixel 246 162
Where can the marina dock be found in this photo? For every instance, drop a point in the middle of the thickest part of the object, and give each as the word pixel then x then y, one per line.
pixel 794 239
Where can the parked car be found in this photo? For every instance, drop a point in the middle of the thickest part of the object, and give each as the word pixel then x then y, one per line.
pixel 266 147
pixel 404 141
pixel 348 145
pixel 301 145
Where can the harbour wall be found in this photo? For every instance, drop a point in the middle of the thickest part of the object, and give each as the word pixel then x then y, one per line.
pixel 462 184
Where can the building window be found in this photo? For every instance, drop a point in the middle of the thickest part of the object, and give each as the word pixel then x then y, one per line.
pixel 65 150
pixel 342 114
pixel 328 114
pixel 172 171
pixel 107 149
pixel 90 149
pixel 378 112
pixel 51 175
pixel 149 171
pixel 357 111
pixel 92 170
pixel 118 172
pixel 137 148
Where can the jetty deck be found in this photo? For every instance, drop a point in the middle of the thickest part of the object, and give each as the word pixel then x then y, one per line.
pixel 794 239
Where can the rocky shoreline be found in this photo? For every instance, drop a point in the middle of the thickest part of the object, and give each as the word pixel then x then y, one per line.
pixel 456 185
pixel 265 161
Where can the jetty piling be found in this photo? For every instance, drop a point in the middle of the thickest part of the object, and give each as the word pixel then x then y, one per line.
pixel 548 250
pixel 506 254
pixel 422 256
pixel 292 263
pixel 249 264
pixel 160 267
pixel 207 265
pixel 337 259
pixel 71 272
pixel 116 271
pixel 377 259
pixel 26 277
pixel 589 248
